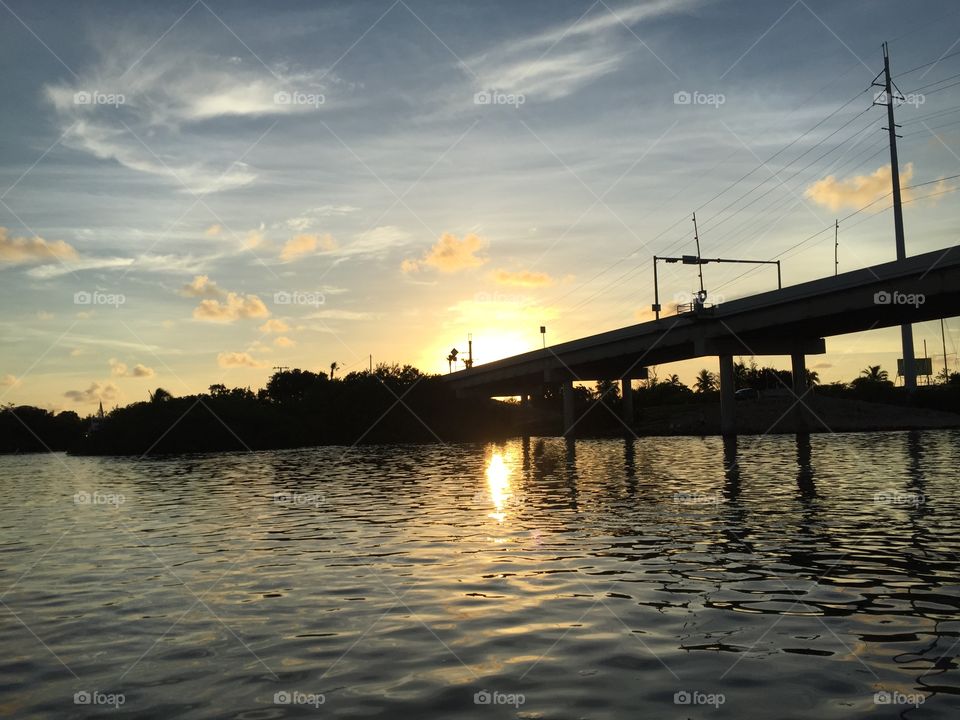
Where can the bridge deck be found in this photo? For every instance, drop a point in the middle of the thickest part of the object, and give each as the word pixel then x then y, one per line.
pixel 778 322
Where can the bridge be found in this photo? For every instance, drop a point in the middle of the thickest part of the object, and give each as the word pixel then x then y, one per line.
pixel 793 321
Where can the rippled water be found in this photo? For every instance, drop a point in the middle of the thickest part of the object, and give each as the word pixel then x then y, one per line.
pixel 603 579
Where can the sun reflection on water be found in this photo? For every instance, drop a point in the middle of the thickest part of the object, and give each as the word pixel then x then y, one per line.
pixel 498 484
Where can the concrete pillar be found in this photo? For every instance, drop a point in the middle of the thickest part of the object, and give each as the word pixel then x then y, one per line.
pixel 626 392
pixel 524 413
pixel 798 366
pixel 728 401
pixel 566 390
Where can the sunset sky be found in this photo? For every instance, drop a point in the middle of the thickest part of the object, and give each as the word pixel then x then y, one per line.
pixel 193 193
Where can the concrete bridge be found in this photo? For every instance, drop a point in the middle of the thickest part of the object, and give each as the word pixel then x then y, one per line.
pixel 792 321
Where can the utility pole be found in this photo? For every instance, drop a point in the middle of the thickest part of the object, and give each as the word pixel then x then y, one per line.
pixel 281 368
pixel 696 236
pixel 906 330
pixel 943 339
pixel 371 364
pixel 836 248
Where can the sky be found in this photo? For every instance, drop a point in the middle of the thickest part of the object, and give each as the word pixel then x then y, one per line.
pixel 199 192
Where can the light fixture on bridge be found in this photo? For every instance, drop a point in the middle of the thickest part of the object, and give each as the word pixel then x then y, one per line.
pixel 701 296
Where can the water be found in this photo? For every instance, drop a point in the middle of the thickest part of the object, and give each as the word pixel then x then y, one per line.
pixel 601 579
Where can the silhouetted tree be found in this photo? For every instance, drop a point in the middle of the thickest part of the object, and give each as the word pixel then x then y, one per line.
pixel 706 381
pixel 160 395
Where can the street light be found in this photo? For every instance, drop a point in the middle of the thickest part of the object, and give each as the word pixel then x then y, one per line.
pixel 695 260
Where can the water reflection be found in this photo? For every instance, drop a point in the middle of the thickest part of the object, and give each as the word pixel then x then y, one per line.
pixel 498 485
pixel 779 579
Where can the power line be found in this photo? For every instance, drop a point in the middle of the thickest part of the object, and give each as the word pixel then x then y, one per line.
pixel 932 62
pixel 717 195
pixel 603 288
pixel 857 212
pixel 936 82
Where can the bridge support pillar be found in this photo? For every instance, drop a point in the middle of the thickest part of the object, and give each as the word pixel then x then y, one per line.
pixel 798 367
pixel 566 390
pixel 626 393
pixel 728 400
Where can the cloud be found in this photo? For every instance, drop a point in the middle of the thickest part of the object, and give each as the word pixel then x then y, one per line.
pixel 9 381
pixel 45 272
pixel 522 278
pixel 168 102
pixel 119 369
pixel 233 308
pixel 309 218
pixel 450 255
pixel 284 342
pixel 253 239
pixel 17 250
pixel 859 190
pixel 43 315
pixel 569 55
pixel 376 241
pixel 202 286
pixel 213 231
pixel 306 243
pixel 238 359
pixel 339 315
pixel 274 326
pixel 97 392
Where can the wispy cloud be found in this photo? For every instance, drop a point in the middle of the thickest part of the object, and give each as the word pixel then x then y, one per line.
pixel 560 60
pixel 143 119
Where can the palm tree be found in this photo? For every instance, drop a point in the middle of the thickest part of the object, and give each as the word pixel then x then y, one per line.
pixel 873 373
pixel 674 380
pixel 706 381
pixel 160 395
pixel 813 377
